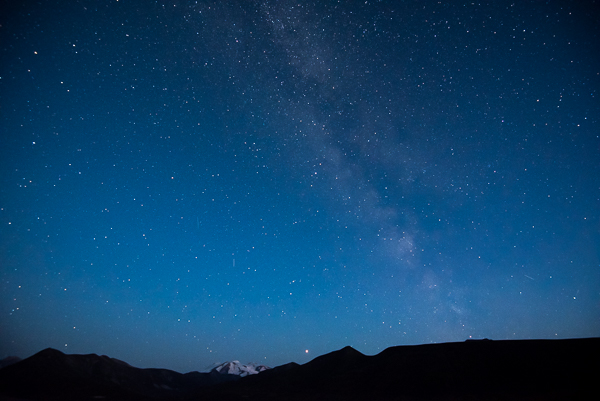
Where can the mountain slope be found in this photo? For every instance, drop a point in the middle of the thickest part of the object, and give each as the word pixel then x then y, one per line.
pixel 50 374
pixel 482 370
pixel 9 360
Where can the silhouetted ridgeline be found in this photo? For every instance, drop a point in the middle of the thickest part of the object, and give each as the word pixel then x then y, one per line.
pixel 477 370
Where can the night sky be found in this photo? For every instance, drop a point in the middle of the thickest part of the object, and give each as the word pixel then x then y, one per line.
pixel 184 183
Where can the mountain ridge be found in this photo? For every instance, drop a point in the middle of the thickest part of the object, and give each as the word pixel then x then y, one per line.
pixel 79 376
pixel 515 369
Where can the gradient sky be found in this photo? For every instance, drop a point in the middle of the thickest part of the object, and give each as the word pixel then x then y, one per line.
pixel 184 183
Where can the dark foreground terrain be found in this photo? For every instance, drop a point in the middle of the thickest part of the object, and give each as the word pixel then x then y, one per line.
pixel 472 370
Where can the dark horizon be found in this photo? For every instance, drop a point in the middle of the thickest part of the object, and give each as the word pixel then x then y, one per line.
pixel 331 352
pixel 209 368
pixel 481 369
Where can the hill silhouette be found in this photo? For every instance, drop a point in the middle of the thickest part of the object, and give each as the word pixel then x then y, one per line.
pixel 53 375
pixel 478 370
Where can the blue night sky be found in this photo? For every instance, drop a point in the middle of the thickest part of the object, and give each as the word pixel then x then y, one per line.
pixel 189 182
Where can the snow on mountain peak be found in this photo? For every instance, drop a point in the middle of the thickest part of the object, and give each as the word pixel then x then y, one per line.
pixel 239 369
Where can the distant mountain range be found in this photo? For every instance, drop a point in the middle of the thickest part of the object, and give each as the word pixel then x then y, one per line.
pixel 473 370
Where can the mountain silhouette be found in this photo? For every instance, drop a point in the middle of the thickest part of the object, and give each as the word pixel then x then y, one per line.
pixel 53 375
pixel 477 370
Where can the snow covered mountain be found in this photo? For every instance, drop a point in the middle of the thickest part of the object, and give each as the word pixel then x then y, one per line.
pixel 239 369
